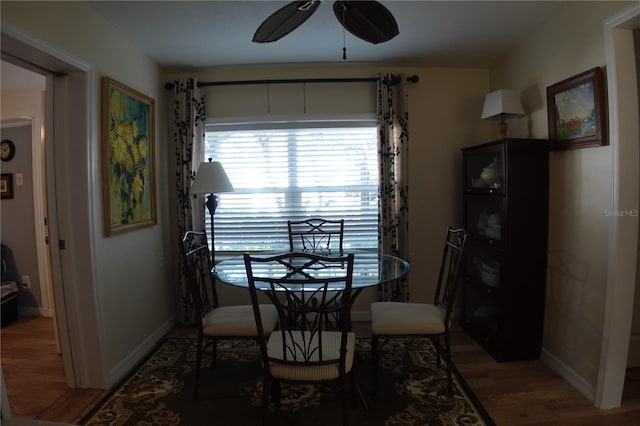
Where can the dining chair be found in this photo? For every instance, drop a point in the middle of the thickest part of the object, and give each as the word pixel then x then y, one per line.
pixel 316 234
pixel 216 322
pixel 306 348
pixel 432 320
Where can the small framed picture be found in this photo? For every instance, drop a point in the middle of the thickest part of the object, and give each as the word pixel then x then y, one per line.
pixel 6 186
pixel 576 111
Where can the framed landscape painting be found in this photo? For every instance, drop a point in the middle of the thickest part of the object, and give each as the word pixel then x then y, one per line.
pixel 128 170
pixel 575 108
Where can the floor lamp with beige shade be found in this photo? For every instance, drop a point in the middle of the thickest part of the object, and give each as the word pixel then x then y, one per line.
pixel 211 179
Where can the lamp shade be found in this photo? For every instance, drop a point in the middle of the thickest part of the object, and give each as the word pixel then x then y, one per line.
pixel 210 179
pixel 502 104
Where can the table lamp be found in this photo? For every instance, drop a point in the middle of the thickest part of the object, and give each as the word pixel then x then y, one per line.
pixel 501 105
pixel 210 179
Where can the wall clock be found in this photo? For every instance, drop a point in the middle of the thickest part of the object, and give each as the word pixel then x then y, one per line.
pixel 7 150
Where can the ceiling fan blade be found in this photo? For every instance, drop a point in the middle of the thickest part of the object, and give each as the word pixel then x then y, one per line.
pixel 368 20
pixel 285 20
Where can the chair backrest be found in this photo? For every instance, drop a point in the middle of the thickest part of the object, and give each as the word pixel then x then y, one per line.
pixel 196 259
pixel 302 287
pixel 450 268
pixel 316 234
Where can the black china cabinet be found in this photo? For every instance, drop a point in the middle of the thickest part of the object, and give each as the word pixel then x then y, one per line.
pixel 506 192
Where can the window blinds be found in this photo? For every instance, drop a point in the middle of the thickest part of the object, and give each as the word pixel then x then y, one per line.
pixel 295 173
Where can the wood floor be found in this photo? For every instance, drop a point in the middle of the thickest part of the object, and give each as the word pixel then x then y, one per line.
pixel 34 375
pixel 516 393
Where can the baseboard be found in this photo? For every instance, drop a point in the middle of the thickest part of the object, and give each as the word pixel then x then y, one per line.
pixel 144 349
pixel 569 375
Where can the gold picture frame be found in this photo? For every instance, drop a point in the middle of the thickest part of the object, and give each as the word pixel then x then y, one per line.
pixel 128 154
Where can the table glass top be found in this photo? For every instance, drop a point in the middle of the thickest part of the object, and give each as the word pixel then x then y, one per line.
pixel 369 269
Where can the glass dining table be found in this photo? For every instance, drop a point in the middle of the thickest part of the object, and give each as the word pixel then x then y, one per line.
pixel 370 268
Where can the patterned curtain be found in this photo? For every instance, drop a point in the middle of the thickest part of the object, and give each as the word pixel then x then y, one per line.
pixel 188 138
pixel 393 148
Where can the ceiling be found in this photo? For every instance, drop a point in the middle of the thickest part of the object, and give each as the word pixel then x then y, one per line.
pixel 186 34
pixel 182 35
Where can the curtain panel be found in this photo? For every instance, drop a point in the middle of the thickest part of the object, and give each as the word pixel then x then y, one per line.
pixel 188 138
pixel 393 151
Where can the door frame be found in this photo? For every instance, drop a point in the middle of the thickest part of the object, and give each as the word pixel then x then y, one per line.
pixel 623 235
pixel 69 179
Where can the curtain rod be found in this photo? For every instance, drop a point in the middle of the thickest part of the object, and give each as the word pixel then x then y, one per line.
pixel 412 79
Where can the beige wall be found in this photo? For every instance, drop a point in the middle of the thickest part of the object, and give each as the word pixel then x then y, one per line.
pixel 133 286
pixel 444 116
pixel 580 183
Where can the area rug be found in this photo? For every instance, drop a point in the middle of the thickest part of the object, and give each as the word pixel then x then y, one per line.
pixel 412 391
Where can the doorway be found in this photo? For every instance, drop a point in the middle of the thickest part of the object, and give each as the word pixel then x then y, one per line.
pixel 25 216
pixel 25 235
pixel 69 177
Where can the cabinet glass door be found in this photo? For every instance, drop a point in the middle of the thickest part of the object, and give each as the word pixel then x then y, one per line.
pixel 484 217
pixel 484 170
pixel 482 313
pixel 483 266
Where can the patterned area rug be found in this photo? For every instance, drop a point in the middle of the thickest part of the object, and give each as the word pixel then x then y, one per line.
pixel 412 391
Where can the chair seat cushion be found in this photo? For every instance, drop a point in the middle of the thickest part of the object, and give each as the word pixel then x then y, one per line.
pixel 311 373
pixel 401 318
pixel 238 321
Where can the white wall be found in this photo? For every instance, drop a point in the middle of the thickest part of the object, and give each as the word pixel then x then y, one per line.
pixel 133 272
pixel 580 186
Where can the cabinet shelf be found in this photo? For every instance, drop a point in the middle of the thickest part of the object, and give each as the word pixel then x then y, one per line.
pixel 505 198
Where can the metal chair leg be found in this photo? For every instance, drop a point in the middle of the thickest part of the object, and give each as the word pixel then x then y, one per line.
pixel 375 359
pixel 447 356
pixel 214 353
pixel 345 406
pixel 266 385
pixel 198 364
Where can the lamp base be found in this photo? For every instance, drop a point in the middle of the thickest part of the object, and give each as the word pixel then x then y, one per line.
pixel 502 127
pixel 212 204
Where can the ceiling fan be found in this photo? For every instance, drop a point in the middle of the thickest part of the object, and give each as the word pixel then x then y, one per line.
pixel 368 20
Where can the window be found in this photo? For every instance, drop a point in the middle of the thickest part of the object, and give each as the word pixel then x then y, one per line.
pixel 295 173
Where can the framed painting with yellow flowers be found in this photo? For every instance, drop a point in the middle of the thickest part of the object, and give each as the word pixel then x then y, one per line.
pixel 128 171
